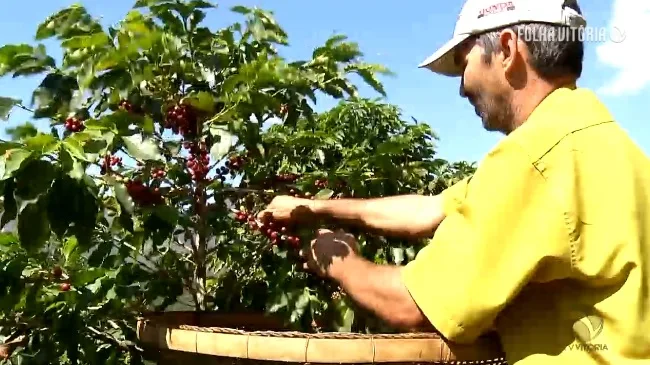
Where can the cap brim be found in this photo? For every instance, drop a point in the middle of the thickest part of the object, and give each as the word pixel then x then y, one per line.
pixel 442 61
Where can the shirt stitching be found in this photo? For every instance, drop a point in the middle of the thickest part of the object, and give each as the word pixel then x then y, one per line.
pixel 538 165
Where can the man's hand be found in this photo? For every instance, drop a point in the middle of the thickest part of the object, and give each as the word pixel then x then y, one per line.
pixel 329 253
pixel 378 288
pixel 285 208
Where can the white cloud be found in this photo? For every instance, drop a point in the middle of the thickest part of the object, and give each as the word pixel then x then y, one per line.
pixel 625 52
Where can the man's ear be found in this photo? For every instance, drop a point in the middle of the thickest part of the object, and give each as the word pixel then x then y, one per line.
pixel 508 40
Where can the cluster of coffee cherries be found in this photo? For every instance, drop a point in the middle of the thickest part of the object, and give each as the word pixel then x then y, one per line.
pixel 287 178
pixel 235 162
pixel 222 172
pixel 275 232
pixel 142 194
pixel 158 173
pixel 57 273
pixel 126 106
pixel 323 183
pixel 298 194
pixel 280 180
pixel 182 118
pixel 110 161
pixel 284 108
pixel 320 183
pixel 199 160
pixel 74 124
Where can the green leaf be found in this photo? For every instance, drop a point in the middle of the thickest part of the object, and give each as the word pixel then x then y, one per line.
pixel 42 143
pixel 13 55
pixel 12 161
pixel 69 247
pixel 146 3
pixel 7 239
pixel 33 225
pixel 171 21
pixel 6 146
pixel 369 74
pixel 77 171
pixel 220 148
pixel 72 208
pixel 300 305
pixel 324 194
pixel 10 207
pixel 89 276
pixel 86 41
pixel 143 149
pixel 54 95
pixel 34 179
pixel 66 23
pixel 260 148
pixel 348 320
pixel 22 132
pixel 122 195
pixel 33 63
pixel 104 124
pixel 279 302
pixel 241 9
pixel 6 105
pixel 148 126
pixel 203 101
pixel 167 214
pixel 74 147
pixel 201 4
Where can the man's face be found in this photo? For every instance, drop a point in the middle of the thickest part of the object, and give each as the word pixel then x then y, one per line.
pixel 484 86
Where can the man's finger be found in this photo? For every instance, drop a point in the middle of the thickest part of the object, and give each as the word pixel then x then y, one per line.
pixel 348 237
pixel 265 215
pixel 340 233
pixel 323 231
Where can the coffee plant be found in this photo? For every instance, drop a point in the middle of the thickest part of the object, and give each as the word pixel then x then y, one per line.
pixel 165 139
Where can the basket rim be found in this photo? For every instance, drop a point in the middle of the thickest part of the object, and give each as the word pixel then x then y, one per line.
pixel 326 335
pixel 153 318
pixel 324 347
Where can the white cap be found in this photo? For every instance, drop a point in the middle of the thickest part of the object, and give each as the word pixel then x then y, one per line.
pixel 479 16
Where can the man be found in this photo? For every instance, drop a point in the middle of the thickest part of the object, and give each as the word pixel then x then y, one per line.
pixel 549 242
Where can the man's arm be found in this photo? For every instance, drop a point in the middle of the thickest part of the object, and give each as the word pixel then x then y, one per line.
pixel 409 216
pixel 412 216
pixel 380 289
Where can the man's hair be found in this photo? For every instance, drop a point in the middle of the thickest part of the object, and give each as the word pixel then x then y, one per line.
pixel 555 50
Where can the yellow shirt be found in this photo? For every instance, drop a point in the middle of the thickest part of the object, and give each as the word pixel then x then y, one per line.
pixel 548 243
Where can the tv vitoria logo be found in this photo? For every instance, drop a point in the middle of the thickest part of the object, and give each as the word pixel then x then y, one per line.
pixel 585 34
pixel 587 329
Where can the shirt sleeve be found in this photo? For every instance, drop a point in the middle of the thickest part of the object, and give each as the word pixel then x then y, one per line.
pixel 454 195
pixel 506 231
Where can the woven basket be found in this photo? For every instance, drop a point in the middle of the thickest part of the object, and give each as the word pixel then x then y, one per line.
pixel 175 343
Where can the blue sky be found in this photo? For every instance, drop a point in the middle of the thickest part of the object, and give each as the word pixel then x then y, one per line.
pixel 400 34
